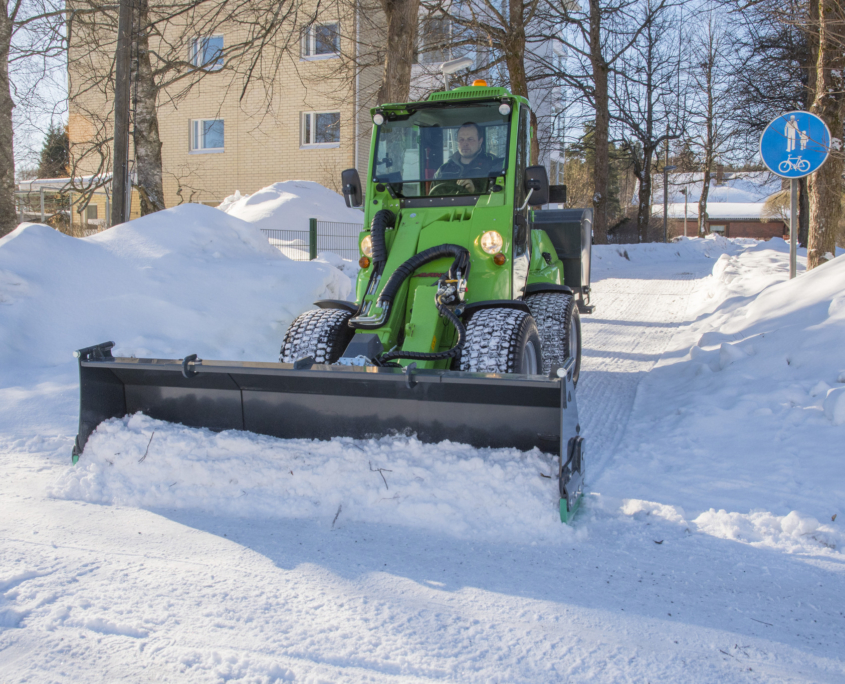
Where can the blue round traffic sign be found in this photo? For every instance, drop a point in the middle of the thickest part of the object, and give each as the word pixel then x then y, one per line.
pixel 795 144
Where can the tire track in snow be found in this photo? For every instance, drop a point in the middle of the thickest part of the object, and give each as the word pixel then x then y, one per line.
pixel 634 321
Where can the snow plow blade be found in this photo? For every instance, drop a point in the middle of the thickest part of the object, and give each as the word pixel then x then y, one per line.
pixel 304 401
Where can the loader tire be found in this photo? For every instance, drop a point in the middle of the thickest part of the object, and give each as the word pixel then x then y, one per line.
pixel 559 326
pixel 321 333
pixel 502 341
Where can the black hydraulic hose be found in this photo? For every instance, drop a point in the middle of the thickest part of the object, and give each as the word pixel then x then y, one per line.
pixel 461 263
pixel 383 220
pixel 394 282
pixel 433 356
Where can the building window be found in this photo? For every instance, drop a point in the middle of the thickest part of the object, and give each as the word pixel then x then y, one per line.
pixel 434 40
pixel 207 135
pixel 321 41
pixel 207 52
pixel 320 129
pixel 717 229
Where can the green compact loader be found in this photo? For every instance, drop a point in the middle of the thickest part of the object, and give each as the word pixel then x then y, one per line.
pixel 465 324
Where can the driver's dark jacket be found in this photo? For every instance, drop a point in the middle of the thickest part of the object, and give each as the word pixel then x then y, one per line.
pixel 454 170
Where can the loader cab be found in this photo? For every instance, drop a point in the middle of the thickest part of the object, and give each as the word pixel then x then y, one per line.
pixel 417 152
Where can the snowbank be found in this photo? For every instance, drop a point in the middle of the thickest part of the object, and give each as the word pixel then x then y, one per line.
pixel 742 421
pixel 289 205
pixel 620 259
pixel 186 280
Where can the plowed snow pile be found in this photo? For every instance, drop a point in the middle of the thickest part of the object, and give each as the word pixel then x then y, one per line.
pixel 448 488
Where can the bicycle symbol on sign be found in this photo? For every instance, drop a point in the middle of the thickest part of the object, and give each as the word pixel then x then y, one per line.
pixel 794 164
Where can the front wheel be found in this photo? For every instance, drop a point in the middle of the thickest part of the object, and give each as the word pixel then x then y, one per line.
pixel 559 326
pixel 502 341
pixel 322 334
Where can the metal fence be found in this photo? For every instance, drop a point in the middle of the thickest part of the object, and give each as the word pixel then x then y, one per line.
pixel 321 236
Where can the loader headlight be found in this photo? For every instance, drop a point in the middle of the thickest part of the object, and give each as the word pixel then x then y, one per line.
pixel 378 118
pixel 367 245
pixel 492 242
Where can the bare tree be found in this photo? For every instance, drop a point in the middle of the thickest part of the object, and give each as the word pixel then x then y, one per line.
pixel 645 95
pixel 825 187
pixel 595 39
pixel 775 71
pixel 710 111
pixel 30 33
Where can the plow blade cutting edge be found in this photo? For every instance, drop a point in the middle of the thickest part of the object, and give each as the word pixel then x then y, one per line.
pixel 304 401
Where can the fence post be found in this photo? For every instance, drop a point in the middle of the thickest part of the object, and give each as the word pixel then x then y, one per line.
pixel 43 217
pixel 312 238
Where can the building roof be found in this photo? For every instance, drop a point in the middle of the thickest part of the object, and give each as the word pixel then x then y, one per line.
pixel 736 188
pixel 716 211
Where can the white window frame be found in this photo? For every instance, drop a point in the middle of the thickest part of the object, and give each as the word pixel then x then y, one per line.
pixel 303 143
pixel 195 48
pixel 194 133
pixel 309 42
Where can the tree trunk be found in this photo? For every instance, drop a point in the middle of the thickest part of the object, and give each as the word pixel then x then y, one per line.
pixel 402 24
pixel 644 198
pixel 825 187
pixel 8 215
pixel 601 169
pixel 803 212
pixel 705 192
pixel 514 50
pixel 146 140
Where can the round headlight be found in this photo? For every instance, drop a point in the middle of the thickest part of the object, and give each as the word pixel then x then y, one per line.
pixel 378 118
pixel 504 109
pixel 367 246
pixel 491 242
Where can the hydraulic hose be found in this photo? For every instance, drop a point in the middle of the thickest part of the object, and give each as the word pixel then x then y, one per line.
pixel 460 264
pixel 383 220
pixel 394 282
pixel 434 356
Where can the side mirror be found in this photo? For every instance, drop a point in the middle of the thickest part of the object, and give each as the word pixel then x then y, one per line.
pixel 352 192
pixel 557 194
pixel 537 179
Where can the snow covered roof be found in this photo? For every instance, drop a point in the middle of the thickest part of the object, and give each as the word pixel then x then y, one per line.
pixel 715 210
pixel 737 187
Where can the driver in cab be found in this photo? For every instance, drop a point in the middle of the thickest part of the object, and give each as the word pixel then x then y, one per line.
pixel 466 171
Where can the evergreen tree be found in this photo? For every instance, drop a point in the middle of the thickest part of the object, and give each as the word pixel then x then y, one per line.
pixel 55 155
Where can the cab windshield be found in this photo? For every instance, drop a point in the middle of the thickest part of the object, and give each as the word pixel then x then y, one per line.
pixel 436 152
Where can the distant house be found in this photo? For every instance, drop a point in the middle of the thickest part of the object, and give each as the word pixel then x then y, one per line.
pixel 736 204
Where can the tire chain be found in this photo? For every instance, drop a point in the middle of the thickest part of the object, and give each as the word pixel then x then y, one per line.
pixel 314 333
pixel 551 311
pixel 491 341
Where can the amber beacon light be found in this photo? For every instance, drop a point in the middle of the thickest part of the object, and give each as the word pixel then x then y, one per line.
pixel 479 82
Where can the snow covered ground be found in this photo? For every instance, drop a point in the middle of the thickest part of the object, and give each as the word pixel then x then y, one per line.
pixel 709 549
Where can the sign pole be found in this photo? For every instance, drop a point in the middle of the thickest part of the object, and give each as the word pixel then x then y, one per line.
pixel 793 226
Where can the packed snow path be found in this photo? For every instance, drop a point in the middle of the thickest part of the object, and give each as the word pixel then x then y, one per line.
pixel 634 320
pixel 185 584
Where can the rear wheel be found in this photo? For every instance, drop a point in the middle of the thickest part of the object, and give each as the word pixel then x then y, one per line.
pixel 502 341
pixel 559 326
pixel 322 334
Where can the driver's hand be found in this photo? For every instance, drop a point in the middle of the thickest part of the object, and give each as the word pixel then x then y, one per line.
pixel 466 184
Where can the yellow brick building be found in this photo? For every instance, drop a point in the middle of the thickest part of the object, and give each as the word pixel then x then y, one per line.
pixel 306 118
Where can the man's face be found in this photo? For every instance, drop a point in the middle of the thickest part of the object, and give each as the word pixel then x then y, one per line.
pixel 469 142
